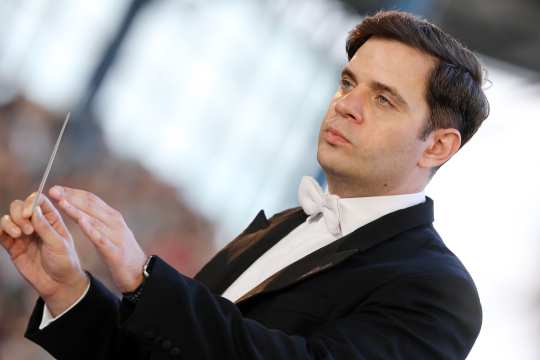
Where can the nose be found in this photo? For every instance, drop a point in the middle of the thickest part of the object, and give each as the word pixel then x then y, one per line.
pixel 349 106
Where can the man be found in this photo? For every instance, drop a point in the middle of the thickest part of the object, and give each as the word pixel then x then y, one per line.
pixel 359 273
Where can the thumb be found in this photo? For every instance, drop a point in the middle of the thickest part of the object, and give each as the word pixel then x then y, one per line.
pixel 49 214
pixel 44 229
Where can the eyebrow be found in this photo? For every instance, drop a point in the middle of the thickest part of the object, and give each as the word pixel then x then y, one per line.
pixel 377 85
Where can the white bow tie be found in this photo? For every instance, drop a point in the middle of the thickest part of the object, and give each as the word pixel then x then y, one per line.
pixel 314 201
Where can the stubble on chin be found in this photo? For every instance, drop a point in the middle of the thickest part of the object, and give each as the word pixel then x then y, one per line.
pixel 332 160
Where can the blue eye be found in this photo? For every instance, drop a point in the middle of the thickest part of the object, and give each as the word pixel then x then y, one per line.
pixel 345 84
pixel 382 100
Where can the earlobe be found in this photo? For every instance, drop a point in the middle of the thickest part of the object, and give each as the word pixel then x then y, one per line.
pixel 442 145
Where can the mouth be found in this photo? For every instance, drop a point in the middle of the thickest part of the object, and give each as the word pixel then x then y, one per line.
pixel 333 136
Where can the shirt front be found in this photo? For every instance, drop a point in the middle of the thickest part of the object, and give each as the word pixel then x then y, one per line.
pixel 313 234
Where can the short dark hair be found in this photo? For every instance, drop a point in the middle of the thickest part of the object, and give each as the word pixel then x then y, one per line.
pixel 454 90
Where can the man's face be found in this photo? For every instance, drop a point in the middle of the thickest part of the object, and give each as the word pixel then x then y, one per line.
pixel 370 135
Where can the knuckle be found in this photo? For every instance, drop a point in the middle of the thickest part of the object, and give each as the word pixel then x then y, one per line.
pixel 15 206
pixel 116 215
pixel 114 256
pixel 100 242
pixel 90 198
pixel 92 223
pixel 5 219
pixel 29 200
pixel 90 201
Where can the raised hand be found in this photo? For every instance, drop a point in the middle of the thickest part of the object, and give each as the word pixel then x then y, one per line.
pixel 42 250
pixel 108 231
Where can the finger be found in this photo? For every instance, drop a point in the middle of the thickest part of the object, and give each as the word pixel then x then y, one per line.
pixel 28 203
pixel 5 240
pixel 10 227
pixel 48 210
pixel 87 202
pixel 44 228
pixel 16 213
pixel 91 227
pixel 73 212
pixel 94 230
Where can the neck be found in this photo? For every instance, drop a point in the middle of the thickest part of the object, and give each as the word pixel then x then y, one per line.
pixel 348 188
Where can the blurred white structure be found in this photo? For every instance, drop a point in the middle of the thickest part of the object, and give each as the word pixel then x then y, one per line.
pixel 487 209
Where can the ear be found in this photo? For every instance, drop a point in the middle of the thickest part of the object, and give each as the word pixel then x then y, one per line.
pixel 442 144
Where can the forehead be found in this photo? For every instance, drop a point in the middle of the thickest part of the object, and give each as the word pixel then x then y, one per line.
pixel 395 64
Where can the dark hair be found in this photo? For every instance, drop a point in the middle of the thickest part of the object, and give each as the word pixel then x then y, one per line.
pixel 454 92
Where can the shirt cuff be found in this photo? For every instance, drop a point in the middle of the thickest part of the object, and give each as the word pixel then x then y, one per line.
pixel 47 317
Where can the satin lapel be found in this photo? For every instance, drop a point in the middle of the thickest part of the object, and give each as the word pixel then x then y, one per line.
pixel 361 239
pixel 219 273
pixel 308 266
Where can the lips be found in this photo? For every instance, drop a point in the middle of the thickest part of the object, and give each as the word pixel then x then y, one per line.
pixel 333 136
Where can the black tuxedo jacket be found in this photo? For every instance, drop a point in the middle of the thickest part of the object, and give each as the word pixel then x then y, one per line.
pixel 389 290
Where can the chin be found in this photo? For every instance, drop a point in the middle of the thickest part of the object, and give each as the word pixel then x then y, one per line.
pixel 333 166
pixel 330 158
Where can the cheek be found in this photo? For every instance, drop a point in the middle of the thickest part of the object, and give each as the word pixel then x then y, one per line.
pixel 387 144
pixel 402 149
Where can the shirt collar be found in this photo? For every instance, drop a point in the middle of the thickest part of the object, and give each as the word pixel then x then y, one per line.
pixel 357 212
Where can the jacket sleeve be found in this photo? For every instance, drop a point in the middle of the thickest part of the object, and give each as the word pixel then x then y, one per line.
pixel 183 319
pixel 179 318
pixel 90 330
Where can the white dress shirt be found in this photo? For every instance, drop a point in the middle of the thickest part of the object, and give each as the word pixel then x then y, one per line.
pixel 308 237
pixel 313 234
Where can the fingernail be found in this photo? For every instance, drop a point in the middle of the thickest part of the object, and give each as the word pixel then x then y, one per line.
pixel 57 190
pixel 16 231
pixel 28 229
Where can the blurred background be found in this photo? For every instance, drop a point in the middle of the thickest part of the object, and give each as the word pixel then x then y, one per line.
pixel 190 116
